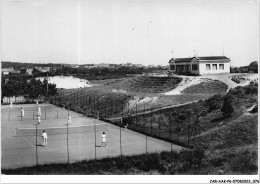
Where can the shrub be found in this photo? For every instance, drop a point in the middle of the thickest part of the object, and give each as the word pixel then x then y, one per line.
pixel 214 103
pixel 244 162
pixel 227 107
pixel 252 88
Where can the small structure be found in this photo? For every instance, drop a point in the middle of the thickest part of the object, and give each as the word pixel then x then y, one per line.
pixel 6 71
pixel 43 69
pixel 26 71
pixel 102 65
pixel 200 65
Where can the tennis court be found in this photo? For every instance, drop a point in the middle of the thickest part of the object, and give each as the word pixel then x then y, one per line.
pixel 81 143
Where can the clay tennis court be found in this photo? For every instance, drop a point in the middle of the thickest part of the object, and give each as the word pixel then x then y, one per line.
pixel 19 138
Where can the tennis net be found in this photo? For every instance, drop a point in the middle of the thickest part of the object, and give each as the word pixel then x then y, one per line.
pixel 17 107
pixel 61 130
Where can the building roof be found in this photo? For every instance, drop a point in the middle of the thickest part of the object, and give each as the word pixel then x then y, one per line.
pixel 181 60
pixel 212 57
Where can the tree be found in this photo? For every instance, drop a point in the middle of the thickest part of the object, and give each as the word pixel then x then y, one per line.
pixel 214 103
pixel 227 107
pixel 253 67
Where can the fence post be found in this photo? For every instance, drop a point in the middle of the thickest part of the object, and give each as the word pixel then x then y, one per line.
pixel 159 127
pixel 144 111
pixel 188 133
pixel 151 120
pixel 68 143
pixel 170 123
pixel 105 110
pixel 95 140
pixel 79 102
pixel 122 109
pixel 87 105
pixel 136 115
pixel 120 140
pixel 116 106
pixel 36 130
pixel 146 143
pixel 128 114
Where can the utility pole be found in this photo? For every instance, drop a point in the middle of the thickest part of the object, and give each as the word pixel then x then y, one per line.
pixel 47 85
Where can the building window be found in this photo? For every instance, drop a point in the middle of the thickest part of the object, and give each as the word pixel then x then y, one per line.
pixel 172 67
pixel 214 67
pixel 221 66
pixel 194 67
pixel 207 66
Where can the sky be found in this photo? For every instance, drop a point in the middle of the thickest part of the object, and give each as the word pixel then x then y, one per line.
pixel 148 32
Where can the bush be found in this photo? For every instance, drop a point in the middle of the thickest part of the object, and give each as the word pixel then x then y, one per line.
pixel 214 103
pixel 252 89
pixel 227 107
pixel 244 162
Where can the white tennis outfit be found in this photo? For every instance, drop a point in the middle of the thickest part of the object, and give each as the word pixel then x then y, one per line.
pixel 39 119
pixel 45 137
pixel 103 139
pixel 39 111
pixel 22 112
pixel 69 119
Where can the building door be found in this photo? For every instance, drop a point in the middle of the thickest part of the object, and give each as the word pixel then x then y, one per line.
pixel 187 68
pixel 178 69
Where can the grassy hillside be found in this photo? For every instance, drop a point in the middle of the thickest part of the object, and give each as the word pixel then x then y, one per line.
pixel 221 144
pixel 115 98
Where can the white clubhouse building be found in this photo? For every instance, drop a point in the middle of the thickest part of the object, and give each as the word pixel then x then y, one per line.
pixel 200 65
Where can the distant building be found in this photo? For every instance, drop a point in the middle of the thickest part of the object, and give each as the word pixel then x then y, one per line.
pixel 43 69
pixel 54 68
pixel 200 65
pixel 14 72
pixel 151 66
pixel 102 65
pixel 74 66
pixel 6 71
pixel 138 65
pixel 26 71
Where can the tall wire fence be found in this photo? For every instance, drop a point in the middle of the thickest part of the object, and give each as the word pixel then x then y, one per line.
pixel 138 117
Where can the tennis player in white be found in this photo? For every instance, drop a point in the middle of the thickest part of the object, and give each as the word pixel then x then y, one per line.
pixel 103 140
pixel 45 137
pixel 11 104
pixel 39 111
pixel 69 119
pixel 22 112
pixel 38 119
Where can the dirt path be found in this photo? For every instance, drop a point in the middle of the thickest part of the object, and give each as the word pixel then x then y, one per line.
pixel 154 110
pixel 192 80
pixel 225 78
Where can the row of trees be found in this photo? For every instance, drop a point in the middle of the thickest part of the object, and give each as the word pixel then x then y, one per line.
pixel 19 66
pixel 251 68
pixel 29 89
pixel 117 71
pixel 59 69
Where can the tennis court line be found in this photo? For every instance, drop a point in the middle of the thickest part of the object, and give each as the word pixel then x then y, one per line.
pixel 28 142
pixel 31 143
